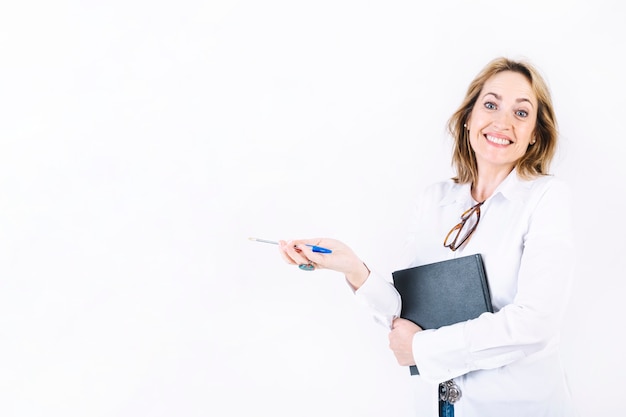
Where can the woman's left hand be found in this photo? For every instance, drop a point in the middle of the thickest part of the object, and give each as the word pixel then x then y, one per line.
pixel 401 340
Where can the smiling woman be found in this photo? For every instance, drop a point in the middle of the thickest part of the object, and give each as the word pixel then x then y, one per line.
pixel 505 362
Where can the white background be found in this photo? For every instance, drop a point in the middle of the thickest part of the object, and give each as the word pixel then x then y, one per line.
pixel 143 142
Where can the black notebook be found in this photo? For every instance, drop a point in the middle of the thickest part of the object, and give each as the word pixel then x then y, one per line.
pixel 443 293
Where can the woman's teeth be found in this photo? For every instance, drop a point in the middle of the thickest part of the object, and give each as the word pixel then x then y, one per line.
pixel 498 141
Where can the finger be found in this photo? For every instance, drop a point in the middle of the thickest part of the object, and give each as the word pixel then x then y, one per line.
pixel 295 253
pixel 290 254
pixel 302 247
pixel 286 257
pixel 283 253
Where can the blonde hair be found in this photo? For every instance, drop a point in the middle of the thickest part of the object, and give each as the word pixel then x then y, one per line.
pixel 536 161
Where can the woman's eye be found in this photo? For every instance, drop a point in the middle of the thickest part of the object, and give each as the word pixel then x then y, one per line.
pixel 490 105
pixel 522 113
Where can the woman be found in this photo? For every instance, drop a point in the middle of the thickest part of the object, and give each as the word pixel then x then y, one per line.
pixel 504 363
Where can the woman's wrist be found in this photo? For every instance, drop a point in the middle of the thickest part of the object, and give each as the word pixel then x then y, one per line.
pixel 358 275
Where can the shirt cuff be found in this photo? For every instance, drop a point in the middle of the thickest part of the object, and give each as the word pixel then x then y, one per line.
pixel 441 354
pixel 381 297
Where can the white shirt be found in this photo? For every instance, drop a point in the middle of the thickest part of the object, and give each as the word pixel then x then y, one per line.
pixel 506 363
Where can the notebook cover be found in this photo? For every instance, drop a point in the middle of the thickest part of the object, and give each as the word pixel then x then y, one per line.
pixel 443 293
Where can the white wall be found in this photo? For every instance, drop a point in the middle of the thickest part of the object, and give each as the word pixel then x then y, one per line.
pixel 143 142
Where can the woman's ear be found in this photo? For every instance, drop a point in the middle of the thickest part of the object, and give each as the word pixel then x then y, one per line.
pixel 466 125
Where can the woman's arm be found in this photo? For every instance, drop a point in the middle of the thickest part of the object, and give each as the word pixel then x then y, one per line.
pixel 370 288
pixel 531 321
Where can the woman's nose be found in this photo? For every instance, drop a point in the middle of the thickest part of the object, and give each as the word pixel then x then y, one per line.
pixel 503 120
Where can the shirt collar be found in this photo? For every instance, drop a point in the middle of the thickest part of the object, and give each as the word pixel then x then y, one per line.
pixel 512 188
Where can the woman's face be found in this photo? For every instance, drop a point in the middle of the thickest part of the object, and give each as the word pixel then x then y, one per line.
pixel 502 121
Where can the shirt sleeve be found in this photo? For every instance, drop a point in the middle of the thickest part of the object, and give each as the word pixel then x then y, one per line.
pixel 527 325
pixel 381 297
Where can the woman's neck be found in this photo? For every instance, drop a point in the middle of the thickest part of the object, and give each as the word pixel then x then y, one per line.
pixel 487 182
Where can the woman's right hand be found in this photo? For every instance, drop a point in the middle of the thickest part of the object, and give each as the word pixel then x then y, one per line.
pixel 342 259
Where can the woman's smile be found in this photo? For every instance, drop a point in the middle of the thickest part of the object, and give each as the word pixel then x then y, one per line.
pixel 498 140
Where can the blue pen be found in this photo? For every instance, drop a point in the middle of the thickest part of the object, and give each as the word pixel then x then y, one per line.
pixel 314 248
pixel 319 249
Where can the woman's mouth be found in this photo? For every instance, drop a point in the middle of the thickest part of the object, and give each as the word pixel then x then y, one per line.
pixel 498 141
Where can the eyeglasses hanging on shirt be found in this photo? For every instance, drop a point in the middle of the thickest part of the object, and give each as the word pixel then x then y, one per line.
pixel 459 234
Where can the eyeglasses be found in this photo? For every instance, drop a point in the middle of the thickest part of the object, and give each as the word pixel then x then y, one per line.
pixel 462 231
